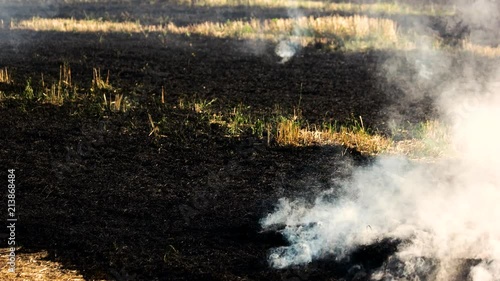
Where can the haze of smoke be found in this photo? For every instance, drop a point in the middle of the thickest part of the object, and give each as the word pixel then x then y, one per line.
pixel 483 17
pixel 12 9
pixel 20 9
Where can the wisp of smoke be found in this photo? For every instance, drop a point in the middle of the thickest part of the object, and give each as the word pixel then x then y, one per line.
pixel 286 50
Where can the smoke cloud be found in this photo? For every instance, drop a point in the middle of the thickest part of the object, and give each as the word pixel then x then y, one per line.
pixel 286 49
pixel 444 212
pixel 483 18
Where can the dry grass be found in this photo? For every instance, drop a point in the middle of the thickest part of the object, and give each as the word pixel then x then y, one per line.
pixel 486 51
pixel 61 90
pixel 352 26
pixel 98 81
pixel 347 28
pixel 362 141
pixel 56 92
pixel 255 3
pixel 351 32
pixel 199 106
pixel 155 129
pixel 65 75
pixel 162 95
pixel 294 130
pixel 33 267
pixel 100 96
pixel 379 31
pixel 54 95
pixel 72 25
pixel 115 102
pixel 4 76
pixel 289 132
pixel 427 140
pixel 112 100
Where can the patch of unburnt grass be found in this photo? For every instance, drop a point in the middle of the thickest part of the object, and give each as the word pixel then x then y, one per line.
pixel 425 140
pixel 281 128
pixel 361 31
pixel 350 33
pixel 192 119
pixel 100 97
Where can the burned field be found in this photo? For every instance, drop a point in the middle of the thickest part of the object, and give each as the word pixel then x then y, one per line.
pixel 155 155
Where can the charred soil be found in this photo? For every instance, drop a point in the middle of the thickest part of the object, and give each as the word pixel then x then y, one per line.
pixel 103 196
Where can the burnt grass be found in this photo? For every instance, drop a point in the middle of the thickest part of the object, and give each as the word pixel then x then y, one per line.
pixel 102 196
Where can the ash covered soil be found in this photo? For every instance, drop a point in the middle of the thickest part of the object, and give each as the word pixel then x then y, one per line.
pixel 102 196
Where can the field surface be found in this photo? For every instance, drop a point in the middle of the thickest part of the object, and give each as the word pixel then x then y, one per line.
pixel 152 151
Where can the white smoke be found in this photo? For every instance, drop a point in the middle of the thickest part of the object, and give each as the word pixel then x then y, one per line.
pixel 286 49
pixel 446 211
pixel 288 46
pixel 483 17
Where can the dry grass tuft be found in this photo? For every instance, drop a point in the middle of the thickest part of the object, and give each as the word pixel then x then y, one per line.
pixel 155 129
pixel 4 76
pixel 98 82
pixel 115 102
pixel 61 90
pixel 291 133
pixel 428 140
pixel 361 140
pixel 486 51
pixel 34 266
pixel 112 100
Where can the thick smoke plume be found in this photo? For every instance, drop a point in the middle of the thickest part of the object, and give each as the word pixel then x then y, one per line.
pixel 444 212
